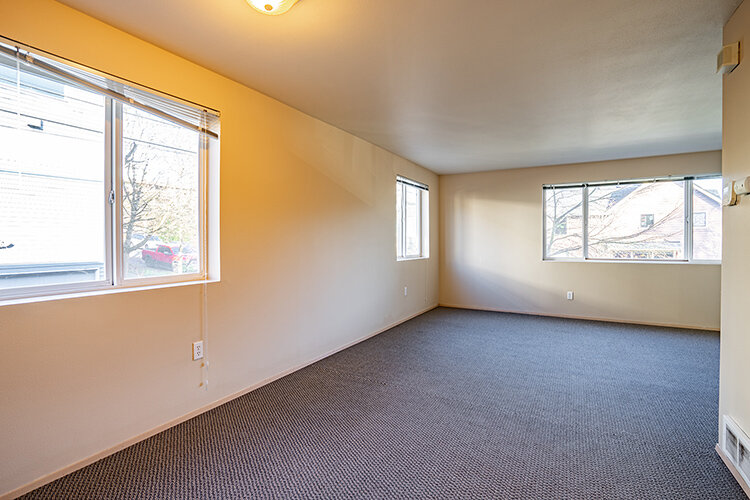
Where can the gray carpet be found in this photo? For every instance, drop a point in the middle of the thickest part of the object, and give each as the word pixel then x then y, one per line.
pixel 453 404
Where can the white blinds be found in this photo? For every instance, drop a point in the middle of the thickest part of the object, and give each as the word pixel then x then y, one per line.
pixel 178 111
pixel 646 180
pixel 404 180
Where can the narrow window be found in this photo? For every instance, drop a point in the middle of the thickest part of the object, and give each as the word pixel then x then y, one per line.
pixel 412 219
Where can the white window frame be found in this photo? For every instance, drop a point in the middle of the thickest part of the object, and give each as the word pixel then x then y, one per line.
pixel 688 218
pixel 120 277
pixel 423 219
pixel 114 265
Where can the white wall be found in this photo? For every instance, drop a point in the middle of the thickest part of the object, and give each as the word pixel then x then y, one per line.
pixel 307 259
pixel 491 251
pixel 734 398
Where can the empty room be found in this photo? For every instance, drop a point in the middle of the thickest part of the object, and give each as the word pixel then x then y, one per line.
pixel 374 249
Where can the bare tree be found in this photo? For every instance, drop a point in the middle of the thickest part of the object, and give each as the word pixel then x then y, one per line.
pixel 158 199
pixel 600 234
pixel 138 197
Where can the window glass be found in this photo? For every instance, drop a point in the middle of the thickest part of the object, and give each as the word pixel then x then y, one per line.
pixel 52 185
pixel 96 193
pixel 707 219
pixel 399 220
pixel 413 233
pixel 637 221
pixel 160 196
pixel 564 222
pixel 412 208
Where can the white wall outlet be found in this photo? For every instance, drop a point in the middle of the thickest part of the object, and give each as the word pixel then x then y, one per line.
pixel 406 291
pixel 569 295
pixel 197 350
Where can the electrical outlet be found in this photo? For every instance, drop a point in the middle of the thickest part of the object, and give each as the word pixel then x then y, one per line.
pixel 197 350
pixel 406 291
pixel 570 295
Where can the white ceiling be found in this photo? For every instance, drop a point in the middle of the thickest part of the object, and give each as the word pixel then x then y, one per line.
pixel 459 86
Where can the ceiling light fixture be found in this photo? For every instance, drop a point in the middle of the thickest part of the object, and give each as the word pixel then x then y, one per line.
pixel 272 7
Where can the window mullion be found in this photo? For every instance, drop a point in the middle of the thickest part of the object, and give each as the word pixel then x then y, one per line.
pixel 109 188
pixel 203 204
pixel 419 221
pixel 688 220
pixel 585 202
pixel 119 260
pixel 403 220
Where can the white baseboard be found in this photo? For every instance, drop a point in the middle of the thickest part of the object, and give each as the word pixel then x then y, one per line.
pixel 48 478
pixel 587 318
pixel 733 470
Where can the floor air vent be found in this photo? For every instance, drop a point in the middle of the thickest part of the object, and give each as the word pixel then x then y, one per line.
pixel 736 446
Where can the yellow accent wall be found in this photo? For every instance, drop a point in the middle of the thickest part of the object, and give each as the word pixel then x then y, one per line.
pixel 308 265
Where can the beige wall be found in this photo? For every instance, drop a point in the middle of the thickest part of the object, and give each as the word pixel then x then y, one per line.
pixel 491 251
pixel 734 399
pixel 307 260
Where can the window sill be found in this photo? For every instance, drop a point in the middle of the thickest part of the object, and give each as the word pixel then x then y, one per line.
pixel 624 261
pixel 402 259
pixel 100 291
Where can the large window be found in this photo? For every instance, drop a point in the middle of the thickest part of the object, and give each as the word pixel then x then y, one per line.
pixel 102 184
pixel 664 219
pixel 412 219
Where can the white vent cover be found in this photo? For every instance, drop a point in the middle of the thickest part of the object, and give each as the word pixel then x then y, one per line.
pixel 736 446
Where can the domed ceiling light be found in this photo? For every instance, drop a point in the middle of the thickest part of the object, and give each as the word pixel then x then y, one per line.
pixel 272 7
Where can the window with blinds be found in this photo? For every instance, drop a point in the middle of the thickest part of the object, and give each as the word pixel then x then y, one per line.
pixel 102 183
pixel 412 219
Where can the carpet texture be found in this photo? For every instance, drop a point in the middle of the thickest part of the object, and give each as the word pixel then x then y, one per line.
pixel 453 404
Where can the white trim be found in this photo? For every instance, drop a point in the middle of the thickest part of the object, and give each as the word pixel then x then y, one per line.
pixel 119 258
pixel 688 221
pixel 544 224
pixel 105 289
pixel 586 318
pixel 585 215
pixel 43 293
pixel 31 293
pixel 633 261
pixel 48 478
pixel 736 473
pixel 155 280
pixel 109 189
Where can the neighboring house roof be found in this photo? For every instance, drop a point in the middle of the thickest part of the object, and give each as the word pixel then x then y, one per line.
pixel 619 195
pixel 629 190
pixel 709 196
